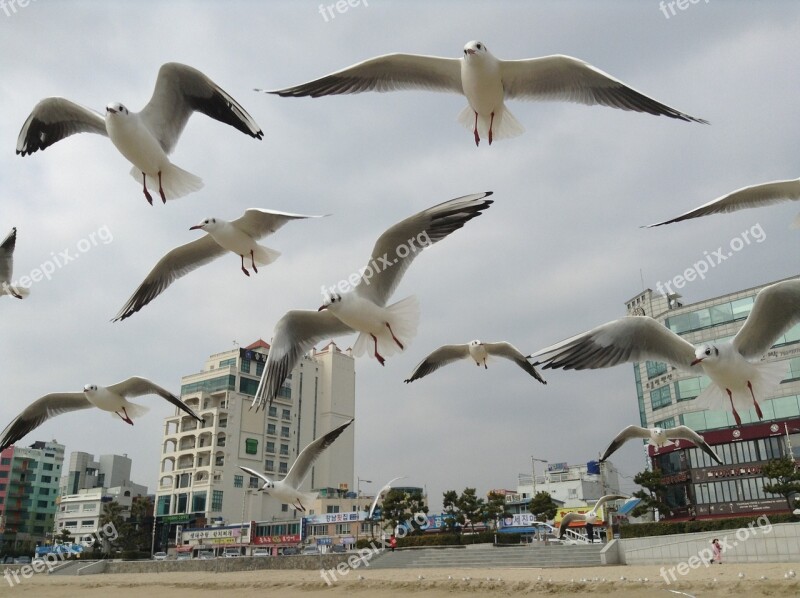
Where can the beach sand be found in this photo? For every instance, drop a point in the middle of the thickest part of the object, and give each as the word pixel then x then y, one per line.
pixel 435 583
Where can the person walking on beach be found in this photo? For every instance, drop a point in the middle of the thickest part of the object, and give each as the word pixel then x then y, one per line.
pixel 717 549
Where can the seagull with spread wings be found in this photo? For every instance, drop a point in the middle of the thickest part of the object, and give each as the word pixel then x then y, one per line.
pixel 7 268
pixel 659 437
pixel 589 517
pixel 487 82
pixel 144 138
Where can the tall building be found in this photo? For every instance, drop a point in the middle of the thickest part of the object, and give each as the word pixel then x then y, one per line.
pixel 29 480
pixel 199 477
pixel 698 487
pixel 84 473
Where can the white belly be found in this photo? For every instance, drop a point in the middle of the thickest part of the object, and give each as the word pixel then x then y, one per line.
pixel 232 239
pixel 105 400
pixel 483 87
pixel 137 144
pixel 478 353
pixel 362 315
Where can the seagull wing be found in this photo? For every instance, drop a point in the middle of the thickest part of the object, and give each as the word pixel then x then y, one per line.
pixel 35 414
pixel 567 519
pixel 686 433
pixel 259 223
pixel 302 465
pixel 776 310
pixel 52 120
pixel 754 196
pixel 396 248
pixel 386 488
pixel 509 351
pixel 295 333
pixel 608 497
pixel 623 437
pixel 256 474
pixel 135 386
pixel 7 256
pixel 181 90
pixel 390 72
pixel 632 338
pixel 440 357
pixel 569 79
pixel 176 263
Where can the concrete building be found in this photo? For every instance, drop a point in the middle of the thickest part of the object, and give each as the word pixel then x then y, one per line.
pixel 29 481
pixel 698 488
pixel 572 485
pixel 199 478
pixel 109 471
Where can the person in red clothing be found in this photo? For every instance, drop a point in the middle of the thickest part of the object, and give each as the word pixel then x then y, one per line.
pixel 392 542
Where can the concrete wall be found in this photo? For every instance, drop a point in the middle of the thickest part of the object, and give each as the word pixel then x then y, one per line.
pixel 222 565
pixel 760 542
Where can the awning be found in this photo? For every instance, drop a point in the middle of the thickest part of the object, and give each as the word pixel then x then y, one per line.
pixel 628 506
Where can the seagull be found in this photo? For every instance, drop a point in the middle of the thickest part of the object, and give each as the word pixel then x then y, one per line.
pixel 731 365
pixel 478 351
pixel 487 82
pixel 144 138
pixel 237 236
pixel 386 488
pixel 364 309
pixel 660 437
pixel 7 267
pixel 288 489
pixel 589 517
pixel 754 196
pixel 112 398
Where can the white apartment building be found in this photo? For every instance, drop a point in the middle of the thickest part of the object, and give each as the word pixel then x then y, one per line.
pixel 80 513
pixel 199 478
pixel 572 485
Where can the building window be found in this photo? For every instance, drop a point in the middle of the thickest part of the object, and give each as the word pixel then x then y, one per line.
pixel 655 368
pixel 238 481
pixel 270 446
pixel 41 516
pixel 245 367
pixel 44 491
pixel 286 415
pixel 259 368
pixel 665 423
pixel 271 429
pixel 284 450
pixel 199 502
pixel 46 479
pixel 42 504
pixel 248 386
pixel 332 509
pixel 269 465
pixel 342 529
pixel 251 446
pixel 660 397
pixel 254 482
pixel 47 466
pixel 5 461
pixel 216 500
pixel 283 467
pixel 87 523
pixel 273 411
pixel 318 530
pixel 284 507
pixel 227 362
pixel 284 431
pixel 163 505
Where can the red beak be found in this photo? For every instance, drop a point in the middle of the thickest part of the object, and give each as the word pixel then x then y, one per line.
pixel 470 51
pixel 696 361
pixel 322 307
pixel 195 227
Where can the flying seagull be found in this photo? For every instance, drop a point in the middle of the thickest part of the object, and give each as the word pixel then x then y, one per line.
pixel 589 517
pixel 112 398
pixel 386 488
pixel 754 196
pixel 660 437
pixel 7 268
pixel 478 351
pixel 733 366
pixel 288 489
pixel 363 309
pixel 237 236
pixel 487 82
pixel 144 138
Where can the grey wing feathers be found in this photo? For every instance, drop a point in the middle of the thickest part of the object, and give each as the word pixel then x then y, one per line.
pixel 136 386
pixel 440 357
pixel 623 437
pixel 257 223
pixel 686 433
pixel 7 255
pixel 509 351
pixel 776 310
pixel 302 466
pixel 255 473
pixel 40 411
pixel 384 73
pixel 54 119
pixel 176 263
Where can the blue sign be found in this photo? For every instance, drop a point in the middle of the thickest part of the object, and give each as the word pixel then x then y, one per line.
pixel 324 541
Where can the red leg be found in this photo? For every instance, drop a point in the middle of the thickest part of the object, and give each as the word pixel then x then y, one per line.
pixel 399 344
pixel 758 407
pixel 253 262
pixel 147 195
pixel 160 189
pixel 475 131
pixel 126 419
pixel 485 367
pixel 377 355
pixel 735 413
pixel 243 268
pixel 491 124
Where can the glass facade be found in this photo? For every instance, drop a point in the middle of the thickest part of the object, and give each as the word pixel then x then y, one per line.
pixel 213 385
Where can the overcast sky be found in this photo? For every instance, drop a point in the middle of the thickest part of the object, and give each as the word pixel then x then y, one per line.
pixel 559 251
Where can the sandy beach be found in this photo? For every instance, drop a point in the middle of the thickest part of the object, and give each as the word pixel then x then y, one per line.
pixel 715 581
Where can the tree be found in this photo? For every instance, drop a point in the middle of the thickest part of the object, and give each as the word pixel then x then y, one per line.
pixel 136 531
pixel 65 536
pixel 111 515
pixel 399 507
pixel 471 507
pixel 784 470
pixel 542 506
pixel 495 507
pixel 454 518
pixel 651 498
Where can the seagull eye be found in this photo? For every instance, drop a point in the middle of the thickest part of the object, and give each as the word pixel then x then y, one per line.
pixel 708 351
pixel 479 46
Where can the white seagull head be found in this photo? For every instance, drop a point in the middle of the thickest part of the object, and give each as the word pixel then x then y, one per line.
pixel 332 303
pixel 90 388
pixel 116 108
pixel 705 352
pixel 208 225
pixel 475 343
pixel 475 48
pixel 658 435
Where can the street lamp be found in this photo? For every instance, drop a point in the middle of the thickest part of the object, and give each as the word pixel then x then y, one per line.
pixel 358 504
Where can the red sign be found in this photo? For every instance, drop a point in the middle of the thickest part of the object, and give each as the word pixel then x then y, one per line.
pixel 287 539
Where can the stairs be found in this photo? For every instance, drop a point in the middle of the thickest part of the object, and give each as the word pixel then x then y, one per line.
pixel 488 556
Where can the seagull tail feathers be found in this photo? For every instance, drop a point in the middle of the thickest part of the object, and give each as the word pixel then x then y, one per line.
pixel 403 318
pixel 134 411
pixel 265 255
pixel 175 181
pixel 504 125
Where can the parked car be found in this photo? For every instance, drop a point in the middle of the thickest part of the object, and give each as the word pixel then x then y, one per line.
pixel 310 549
pixel 160 556
pixel 338 548
pixel 205 555
pixel 261 552
pixel 22 560
pixel 289 550
pixel 231 553
pixel 183 556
